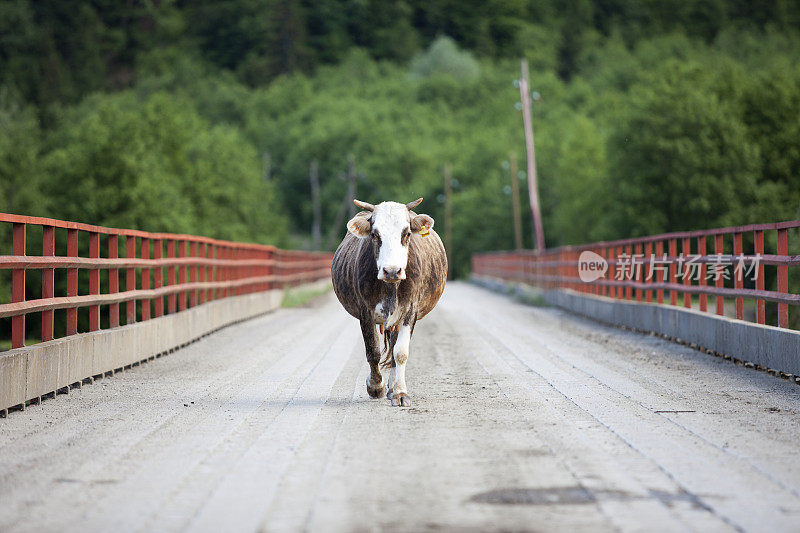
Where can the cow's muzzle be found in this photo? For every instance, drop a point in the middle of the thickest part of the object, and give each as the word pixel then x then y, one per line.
pixel 392 274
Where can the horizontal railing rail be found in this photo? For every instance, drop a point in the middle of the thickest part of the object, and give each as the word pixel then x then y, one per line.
pixel 730 263
pixel 163 273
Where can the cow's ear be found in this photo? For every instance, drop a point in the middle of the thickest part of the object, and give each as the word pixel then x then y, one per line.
pixel 359 226
pixel 421 221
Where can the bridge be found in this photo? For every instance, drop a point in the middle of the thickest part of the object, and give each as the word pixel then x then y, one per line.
pixel 199 404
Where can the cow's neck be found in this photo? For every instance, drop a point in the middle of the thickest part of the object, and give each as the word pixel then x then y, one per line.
pixel 388 300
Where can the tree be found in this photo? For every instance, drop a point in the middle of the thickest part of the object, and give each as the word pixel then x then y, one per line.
pixel 20 150
pixel 444 58
pixel 682 159
pixel 157 165
pixel 767 103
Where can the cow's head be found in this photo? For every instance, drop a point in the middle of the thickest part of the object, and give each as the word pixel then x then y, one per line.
pixel 389 225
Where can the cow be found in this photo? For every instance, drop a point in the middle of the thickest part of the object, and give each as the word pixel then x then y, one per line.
pixel 389 272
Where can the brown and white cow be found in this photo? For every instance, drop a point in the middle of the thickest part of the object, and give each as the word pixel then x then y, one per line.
pixel 389 272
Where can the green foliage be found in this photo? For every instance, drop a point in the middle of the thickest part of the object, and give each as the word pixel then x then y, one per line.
pixel 444 58
pixel 575 194
pixel 20 146
pixel 684 155
pixel 54 52
pixel 540 44
pixel 155 164
pixel 770 107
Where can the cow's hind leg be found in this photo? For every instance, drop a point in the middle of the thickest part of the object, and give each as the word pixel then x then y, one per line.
pixel 375 384
pixel 399 396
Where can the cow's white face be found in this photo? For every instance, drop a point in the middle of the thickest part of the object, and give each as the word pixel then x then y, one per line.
pixel 390 228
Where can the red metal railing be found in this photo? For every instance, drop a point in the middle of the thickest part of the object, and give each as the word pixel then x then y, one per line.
pixel 198 269
pixel 709 263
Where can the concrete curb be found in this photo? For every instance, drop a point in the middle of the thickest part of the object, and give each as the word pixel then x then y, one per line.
pixel 31 372
pixel 769 347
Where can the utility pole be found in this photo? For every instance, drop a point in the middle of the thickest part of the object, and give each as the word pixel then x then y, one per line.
pixel 316 226
pixel 533 191
pixel 448 219
pixel 512 158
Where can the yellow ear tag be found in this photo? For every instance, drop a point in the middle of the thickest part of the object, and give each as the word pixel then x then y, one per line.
pixel 424 231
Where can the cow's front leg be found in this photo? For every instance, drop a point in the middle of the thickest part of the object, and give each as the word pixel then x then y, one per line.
pixel 375 385
pixel 399 394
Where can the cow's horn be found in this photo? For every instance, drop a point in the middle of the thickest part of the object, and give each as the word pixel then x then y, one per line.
pixel 415 203
pixel 364 205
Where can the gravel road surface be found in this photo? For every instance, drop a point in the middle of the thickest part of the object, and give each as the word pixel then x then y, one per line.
pixel 524 419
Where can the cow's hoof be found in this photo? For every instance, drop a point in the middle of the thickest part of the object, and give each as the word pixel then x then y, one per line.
pixel 401 399
pixel 375 392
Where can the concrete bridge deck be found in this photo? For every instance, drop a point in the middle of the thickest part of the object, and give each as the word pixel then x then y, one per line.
pixel 524 418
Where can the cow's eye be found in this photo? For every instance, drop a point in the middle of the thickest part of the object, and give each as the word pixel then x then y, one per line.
pixel 406 237
pixel 376 238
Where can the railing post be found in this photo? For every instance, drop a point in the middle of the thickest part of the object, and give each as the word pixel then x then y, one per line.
pixel 113 280
pixel 718 278
pixel 687 280
pixel 639 271
pixel 158 276
pixel 244 270
pixel 701 251
pixel 258 270
pixel 216 272
pixel 252 271
pixel 660 278
pixel 673 274
pixel 628 289
pixel 193 273
pixel 222 254
pixel 48 280
pixel 269 256
pixel 228 271
pixel 783 278
pixel 620 273
pixel 577 284
pixel 182 275
pixel 18 285
pixel 130 278
pixel 201 254
pixel 562 257
pixel 566 282
pixel 94 281
pixel 231 271
pixel 145 252
pixel 648 271
pixel 171 300
pixel 738 275
pixel 247 271
pixel 211 271
pixel 238 270
pixel 72 281
pixel 759 248
pixel 222 271
pixel 560 269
